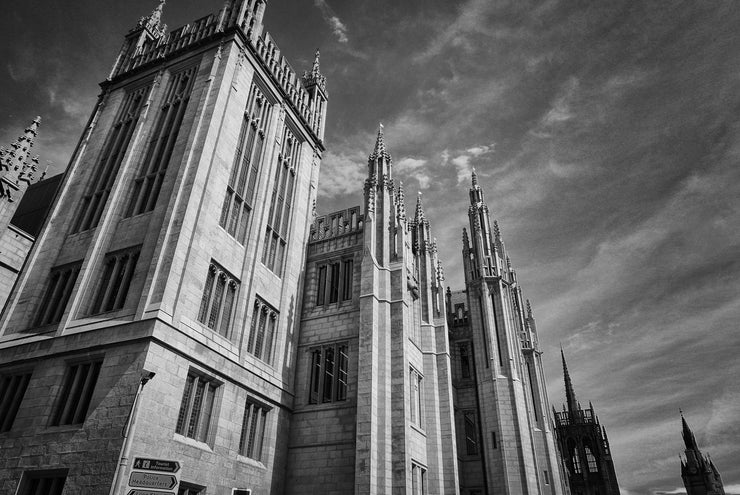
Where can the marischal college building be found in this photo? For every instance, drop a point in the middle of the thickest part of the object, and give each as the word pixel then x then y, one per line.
pixel 184 303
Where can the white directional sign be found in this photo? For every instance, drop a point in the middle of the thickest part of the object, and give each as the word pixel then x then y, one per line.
pixel 140 479
pixel 149 476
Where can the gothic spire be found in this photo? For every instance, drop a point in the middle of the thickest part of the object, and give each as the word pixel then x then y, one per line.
pixel 570 395
pixel 16 162
pixel 529 310
pixel 419 216
pixel 474 178
pixel 688 436
pixel 379 151
pixel 314 76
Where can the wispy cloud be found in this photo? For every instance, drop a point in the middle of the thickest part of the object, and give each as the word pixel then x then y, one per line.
pixel 337 26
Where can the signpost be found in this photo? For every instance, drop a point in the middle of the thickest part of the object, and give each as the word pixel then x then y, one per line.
pixel 153 477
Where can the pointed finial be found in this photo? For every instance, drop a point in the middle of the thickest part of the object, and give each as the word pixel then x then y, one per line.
pixel 496 230
pixel 314 76
pixel 529 309
pixel 474 178
pixel 379 151
pixel 152 21
pixel 688 436
pixel 570 395
pixel 419 208
pixel 465 237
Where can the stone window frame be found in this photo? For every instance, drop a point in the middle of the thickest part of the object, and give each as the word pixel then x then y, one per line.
pixel 470 429
pixel 198 414
pixel 250 150
pixel 416 397
pixel 62 280
pixel 281 205
pixel 263 330
pixel 327 383
pixel 419 481
pixel 13 387
pixel 220 292
pixel 115 280
pixel 334 279
pixel 162 140
pixel 254 423
pixel 43 482
pixel 114 150
pixel 75 395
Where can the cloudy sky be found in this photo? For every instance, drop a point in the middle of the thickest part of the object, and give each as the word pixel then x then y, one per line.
pixel 606 135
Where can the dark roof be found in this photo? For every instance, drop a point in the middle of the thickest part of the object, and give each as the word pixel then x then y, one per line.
pixel 35 205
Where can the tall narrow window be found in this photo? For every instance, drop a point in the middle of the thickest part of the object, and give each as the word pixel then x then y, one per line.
pixel 321 286
pixel 276 234
pixel 535 403
pixel 347 280
pixel 591 460
pixel 118 271
pixel 12 389
pixel 494 440
pixel 262 330
pixel 76 394
pixel 239 198
pixel 418 480
pixel 416 398
pixel 217 303
pixel 196 408
pixel 334 285
pixel 61 282
pixel 106 170
pixel 329 368
pixel 464 360
pixel 334 282
pixel 575 459
pixel 471 434
pixel 253 429
pixel 162 142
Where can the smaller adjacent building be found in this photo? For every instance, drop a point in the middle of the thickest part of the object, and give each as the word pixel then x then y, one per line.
pixel 25 200
pixel 584 446
pixel 700 475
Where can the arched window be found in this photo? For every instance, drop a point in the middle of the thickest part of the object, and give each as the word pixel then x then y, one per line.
pixel 575 460
pixel 590 459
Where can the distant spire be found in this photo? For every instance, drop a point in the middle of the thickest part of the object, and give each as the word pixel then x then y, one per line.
pixel 474 178
pixel 529 310
pixel 466 242
pixel 379 150
pixel 496 230
pixel 688 436
pixel 16 163
pixel 419 208
pixel 314 76
pixel 570 395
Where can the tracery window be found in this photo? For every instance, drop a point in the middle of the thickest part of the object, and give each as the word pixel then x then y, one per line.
pixel 217 303
pixel 240 191
pixel 591 460
pixel 162 142
pixel 262 330
pixel 118 272
pixel 329 368
pixel 276 235
pixel 106 170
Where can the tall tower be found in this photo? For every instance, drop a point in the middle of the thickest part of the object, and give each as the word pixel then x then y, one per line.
pixel 584 446
pixel 517 447
pixel 373 409
pixel 175 249
pixel 699 474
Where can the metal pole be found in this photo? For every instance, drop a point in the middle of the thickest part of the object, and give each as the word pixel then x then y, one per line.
pixel 127 433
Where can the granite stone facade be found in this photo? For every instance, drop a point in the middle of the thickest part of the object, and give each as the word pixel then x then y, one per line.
pixel 185 302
